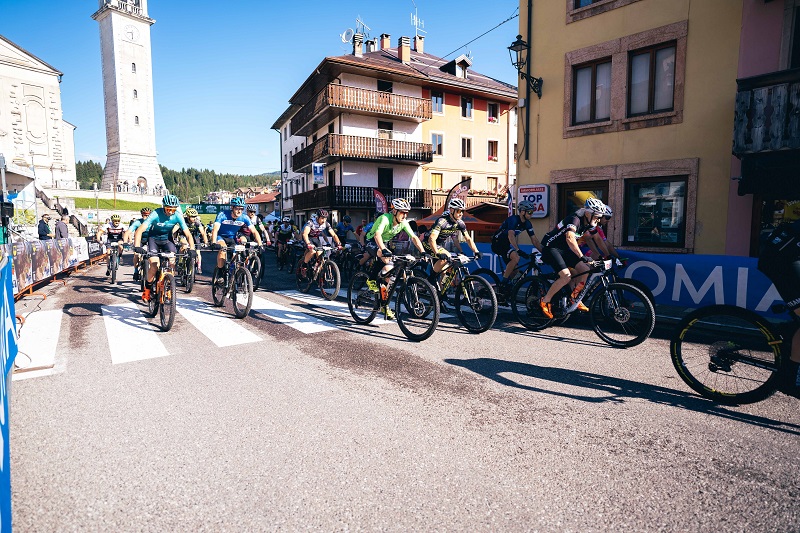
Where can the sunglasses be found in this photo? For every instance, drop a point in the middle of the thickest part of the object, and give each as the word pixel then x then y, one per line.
pixel 528 211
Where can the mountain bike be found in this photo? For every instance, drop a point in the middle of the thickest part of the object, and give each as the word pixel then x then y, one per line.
pixel 233 281
pixel 416 302
pixel 473 297
pixel 284 254
pixel 347 259
pixel 185 271
pixel 525 267
pixel 320 270
pixel 254 263
pixel 732 355
pixel 114 253
pixel 163 298
pixel 619 313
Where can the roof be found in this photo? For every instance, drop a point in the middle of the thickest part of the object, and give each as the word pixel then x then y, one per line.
pixel 423 69
pixel 285 116
pixel 24 60
pixel 264 198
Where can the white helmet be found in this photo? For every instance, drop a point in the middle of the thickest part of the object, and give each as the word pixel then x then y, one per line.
pixel 456 203
pixel 609 212
pixel 287 218
pixel 401 204
pixel 595 206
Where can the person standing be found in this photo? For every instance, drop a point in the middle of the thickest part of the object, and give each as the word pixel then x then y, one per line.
pixel 45 233
pixel 62 230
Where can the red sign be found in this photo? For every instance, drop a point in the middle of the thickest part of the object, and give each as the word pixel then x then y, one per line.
pixel 380 202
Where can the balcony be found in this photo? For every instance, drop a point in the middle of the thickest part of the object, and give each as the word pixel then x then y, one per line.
pixel 767 117
pixel 333 147
pixel 348 197
pixel 438 198
pixel 334 99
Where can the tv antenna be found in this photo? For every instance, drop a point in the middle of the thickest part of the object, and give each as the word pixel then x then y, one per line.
pixel 347 36
pixel 416 21
pixel 362 28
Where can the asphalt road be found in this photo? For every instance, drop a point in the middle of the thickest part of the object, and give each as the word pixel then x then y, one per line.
pixel 314 422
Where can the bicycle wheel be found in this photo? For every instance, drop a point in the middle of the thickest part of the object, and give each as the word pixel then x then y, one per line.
pixel 113 265
pixel 304 276
pixel 281 258
pixel 152 305
pixel 621 315
pixel 362 301
pixel 525 297
pixel 727 354
pixel 218 288
pixel 188 280
pixel 642 287
pixel 144 265
pixel 329 280
pixel 242 292
pixel 489 275
pixel 476 304
pixel 254 266
pixel 417 308
pixel 168 302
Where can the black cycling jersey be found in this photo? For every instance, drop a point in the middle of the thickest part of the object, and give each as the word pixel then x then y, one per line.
pixel 557 238
pixel 446 227
pixel 780 261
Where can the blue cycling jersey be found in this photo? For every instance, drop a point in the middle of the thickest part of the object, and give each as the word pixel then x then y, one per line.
pixel 135 226
pixel 342 229
pixel 228 226
pixel 161 224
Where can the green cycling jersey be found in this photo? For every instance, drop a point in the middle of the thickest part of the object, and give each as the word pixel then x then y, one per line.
pixel 385 225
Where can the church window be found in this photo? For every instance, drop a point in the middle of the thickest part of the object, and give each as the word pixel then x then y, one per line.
pixel 136 120
pixel 133 68
pixel 135 94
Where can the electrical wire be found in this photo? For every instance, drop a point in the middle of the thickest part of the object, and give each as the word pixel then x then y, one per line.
pixel 512 17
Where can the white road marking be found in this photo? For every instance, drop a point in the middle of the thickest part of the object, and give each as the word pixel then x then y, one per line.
pixel 298 320
pixel 336 306
pixel 221 329
pixel 130 336
pixel 38 344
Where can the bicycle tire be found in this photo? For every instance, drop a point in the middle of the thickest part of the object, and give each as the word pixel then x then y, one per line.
pixel 188 283
pixel 169 303
pixel 114 264
pixel 417 308
pixel 152 305
pixel 304 282
pixel 361 301
pixel 144 265
pixel 242 292
pixel 254 266
pixel 218 291
pixel 727 354
pixel 642 287
pixel 329 280
pixel 618 310
pixel 524 301
pixel 489 275
pixel 476 304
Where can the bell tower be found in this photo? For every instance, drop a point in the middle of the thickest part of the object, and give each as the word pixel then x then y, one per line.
pixel 128 95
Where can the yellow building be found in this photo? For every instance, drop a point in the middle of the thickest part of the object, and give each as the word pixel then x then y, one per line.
pixel 637 109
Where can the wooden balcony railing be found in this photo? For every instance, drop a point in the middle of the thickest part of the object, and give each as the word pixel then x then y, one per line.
pixel 334 145
pixel 358 100
pixel 767 114
pixel 438 199
pixel 344 197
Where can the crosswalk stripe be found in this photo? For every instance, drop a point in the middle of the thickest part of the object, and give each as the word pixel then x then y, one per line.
pixel 331 305
pixel 297 320
pixel 221 329
pixel 130 336
pixel 37 344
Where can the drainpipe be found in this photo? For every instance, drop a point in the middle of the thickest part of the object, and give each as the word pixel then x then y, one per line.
pixel 528 85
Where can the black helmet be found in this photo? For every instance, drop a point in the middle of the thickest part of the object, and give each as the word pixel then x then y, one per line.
pixel 347 218
pixel 322 213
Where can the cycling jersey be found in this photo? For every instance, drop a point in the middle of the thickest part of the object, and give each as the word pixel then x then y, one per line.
pixel 228 226
pixel 135 225
pixel 780 261
pixel 513 223
pixel 446 227
pixel 114 233
pixel 284 232
pixel 249 233
pixel 196 229
pixel 342 229
pixel 315 229
pixel 161 224
pixel 385 225
pixel 557 238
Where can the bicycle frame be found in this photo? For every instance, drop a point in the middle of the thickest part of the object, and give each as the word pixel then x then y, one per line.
pixel 594 279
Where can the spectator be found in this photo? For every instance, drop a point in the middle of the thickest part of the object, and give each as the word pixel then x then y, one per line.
pixel 62 230
pixel 45 233
pixel 360 228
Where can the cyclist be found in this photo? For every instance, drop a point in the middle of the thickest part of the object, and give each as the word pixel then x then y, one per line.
pixel 384 229
pixel 780 261
pixel 597 244
pixel 286 230
pixel 226 228
pixel 197 230
pixel 145 212
pixel 450 224
pixel 256 223
pixel 313 230
pixel 344 227
pixel 115 236
pixel 160 222
pixel 560 250
pixel 506 245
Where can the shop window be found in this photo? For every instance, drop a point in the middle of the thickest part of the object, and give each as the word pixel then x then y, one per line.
pixel 572 196
pixel 655 212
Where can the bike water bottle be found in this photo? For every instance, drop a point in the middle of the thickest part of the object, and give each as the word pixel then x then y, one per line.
pixel 384 293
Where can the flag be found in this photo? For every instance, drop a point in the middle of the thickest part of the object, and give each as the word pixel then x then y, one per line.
pixel 381 206
pixel 459 190
pixel 510 200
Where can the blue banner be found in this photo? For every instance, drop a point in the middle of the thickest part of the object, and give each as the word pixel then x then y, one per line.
pixel 687 280
pixel 8 351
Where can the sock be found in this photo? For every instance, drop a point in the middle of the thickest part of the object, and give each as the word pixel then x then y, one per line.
pixel 796 367
pixel 505 281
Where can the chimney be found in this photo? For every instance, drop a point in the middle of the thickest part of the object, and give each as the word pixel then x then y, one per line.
pixel 404 49
pixel 386 41
pixel 358 48
pixel 419 44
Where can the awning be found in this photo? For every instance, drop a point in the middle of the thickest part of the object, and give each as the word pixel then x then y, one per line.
pixel 774 174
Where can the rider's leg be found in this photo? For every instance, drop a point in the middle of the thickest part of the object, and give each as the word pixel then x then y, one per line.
pixel 563 279
pixel 513 261
pixel 221 254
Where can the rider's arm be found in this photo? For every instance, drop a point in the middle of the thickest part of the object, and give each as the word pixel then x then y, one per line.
pixel 333 234
pixel 137 239
pixel 591 242
pixel 470 242
pixel 306 231
pixel 255 234
pixel 512 238
pixel 189 238
pixel 432 236
pixel 572 242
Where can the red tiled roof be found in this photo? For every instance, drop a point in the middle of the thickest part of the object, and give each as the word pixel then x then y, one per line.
pixel 263 198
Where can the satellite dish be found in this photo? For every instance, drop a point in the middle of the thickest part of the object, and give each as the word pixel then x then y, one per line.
pixel 347 36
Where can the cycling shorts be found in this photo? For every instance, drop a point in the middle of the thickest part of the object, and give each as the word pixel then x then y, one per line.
pixel 502 248
pixel 439 249
pixel 155 246
pixel 283 238
pixel 786 277
pixel 559 259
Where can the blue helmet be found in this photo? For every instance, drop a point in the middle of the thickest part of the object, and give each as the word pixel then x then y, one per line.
pixel 170 200
pixel 237 202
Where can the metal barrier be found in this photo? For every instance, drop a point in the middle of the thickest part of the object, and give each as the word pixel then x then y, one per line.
pixel 8 352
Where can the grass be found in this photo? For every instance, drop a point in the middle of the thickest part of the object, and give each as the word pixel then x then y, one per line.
pixel 122 205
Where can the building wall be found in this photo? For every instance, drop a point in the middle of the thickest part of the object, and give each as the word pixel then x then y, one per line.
pixel 365 82
pixel 698 135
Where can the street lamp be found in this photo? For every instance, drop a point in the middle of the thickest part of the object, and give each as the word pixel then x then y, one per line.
pixel 284 178
pixel 518 52
pixel 96 206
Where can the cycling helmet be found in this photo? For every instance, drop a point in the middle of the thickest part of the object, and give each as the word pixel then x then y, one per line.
pixel 170 200
pixel 595 206
pixel 525 206
pixel 114 218
pixel 347 218
pixel 237 202
pixel 191 212
pixel 322 213
pixel 609 212
pixel 287 218
pixel 146 211
pixel 456 203
pixel 401 204
pixel 251 208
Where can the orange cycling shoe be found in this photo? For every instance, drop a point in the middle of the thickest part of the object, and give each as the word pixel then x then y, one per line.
pixel 546 309
pixel 146 295
pixel 582 308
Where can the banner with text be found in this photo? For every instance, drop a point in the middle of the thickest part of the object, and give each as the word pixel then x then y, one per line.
pixel 8 352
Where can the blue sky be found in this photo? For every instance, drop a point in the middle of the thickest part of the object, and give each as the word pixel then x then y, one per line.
pixel 223 71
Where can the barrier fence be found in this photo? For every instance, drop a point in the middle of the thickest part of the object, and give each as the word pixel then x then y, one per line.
pixel 8 351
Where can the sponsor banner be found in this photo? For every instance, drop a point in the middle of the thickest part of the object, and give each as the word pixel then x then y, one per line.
pixel 685 280
pixel 95 248
pixel 40 260
pixel 459 190
pixel 205 209
pixel 381 206
pixel 80 251
pixel 23 265
pixel 538 195
pixel 8 352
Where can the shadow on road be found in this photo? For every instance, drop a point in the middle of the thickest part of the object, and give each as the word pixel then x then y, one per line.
pixel 616 389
